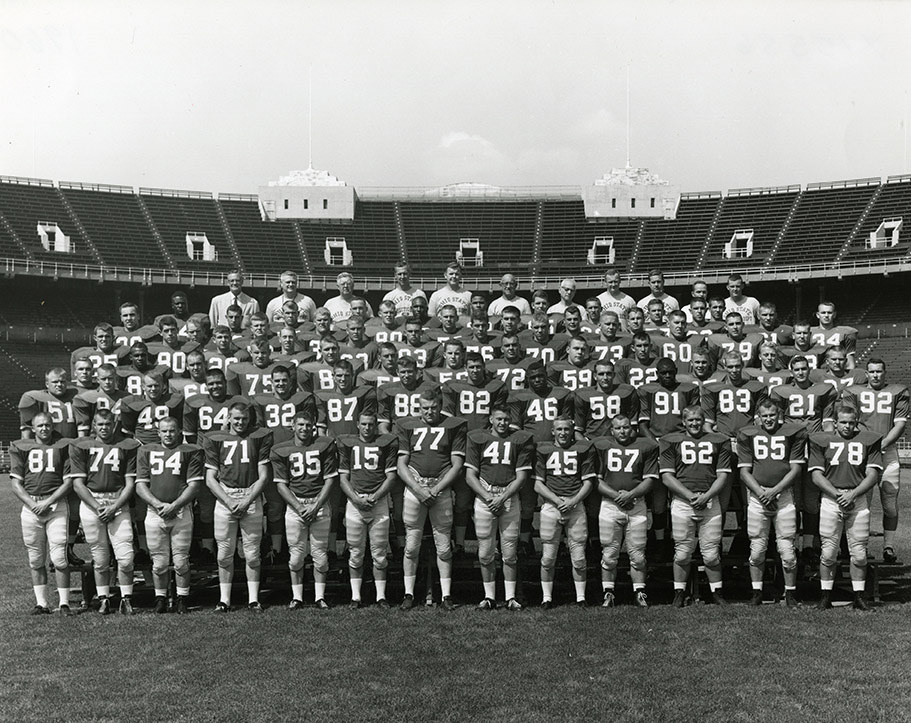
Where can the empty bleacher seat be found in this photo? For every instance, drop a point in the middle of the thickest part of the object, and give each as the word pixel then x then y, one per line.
pixel 567 237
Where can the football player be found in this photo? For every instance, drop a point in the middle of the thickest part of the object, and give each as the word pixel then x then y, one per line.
pixel 595 406
pixel 104 351
pixel 453 364
pixel 386 325
pixel 828 333
pixel 449 327
pixel 237 470
pixel 168 477
pixel 746 306
pixel 172 351
pixel 130 329
pixel 480 339
pixel 221 352
pixel 39 470
pixel 654 318
pixel 613 299
pixel 735 339
pixel 640 368
pixel 627 469
pixel 608 344
pixel 699 291
pixel 195 380
pixel 803 345
pixel 770 326
pixel 695 466
pixel 656 285
pixel 103 472
pixel 836 373
pixel 698 322
pixel 770 371
pixel 426 352
pixel 564 474
pixel 386 371
pixel 497 465
pixel 577 370
pixel 105 396
pixel 83 374
pixel 367 474
pixel 357 347
pixel 255 376
pixel 846 465
pixel 680 342
pixel 431 456
pixel 141 363
pixel 540 342
pixel 771 459
pixel 512 367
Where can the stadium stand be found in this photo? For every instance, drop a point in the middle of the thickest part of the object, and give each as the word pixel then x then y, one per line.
pixel 263 246
pixel 676 245
pixel 113 220
pixel 824 219
pixel 893 202
pixel 567 237
pixel 18 365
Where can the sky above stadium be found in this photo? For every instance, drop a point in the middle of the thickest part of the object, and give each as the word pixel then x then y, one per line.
pixel 214 95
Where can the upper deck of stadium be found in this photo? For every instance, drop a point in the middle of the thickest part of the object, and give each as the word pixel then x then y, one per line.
pixel 158 236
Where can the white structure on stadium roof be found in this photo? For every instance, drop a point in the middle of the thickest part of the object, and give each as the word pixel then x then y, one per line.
pixel 309 194
pixel 630 192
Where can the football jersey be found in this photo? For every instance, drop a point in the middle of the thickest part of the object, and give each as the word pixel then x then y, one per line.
pixel 770 379
pixel 783 335
pixel 635 373
pixel 429 354
pixel 624 466
pixel 90 401
pixel 247 379
pixel 139 416
pixel 771 454
pixel 338 412
pixel 564 469
pixel 202 414
pixel 367 463
pixel 680 352
pixel 497 459
pixel 731 406
pixel 117 356
pixel 844 462
pixel 662 409
pixel 395 401
pixel 169 470
pixel 547 351
pixel 217 360
pixel 565 374
pixel 235 458
pixel 441 375
pixel 174 359
pixel 512 374
pixel 360 356
pixel 376 378
pixel 146 333
pixel 104 467
pixel 296 359
pixel 808 407
pixel 62 410
pixel 278 414
pixel 430 447
pixel 440 335
pixel 696 462
pixel 129 379
pixel 612 350
pixel 815 355
pixel 40 467
pixel 473 404
pixel 707 329
pixel 304 468
pixel 747 347
pixel 186 387
pixel 534 413
pixel 851 378
pixel 488 349
pixel 378 332
pixel 595 408
pixel 844 337
pixel 879 409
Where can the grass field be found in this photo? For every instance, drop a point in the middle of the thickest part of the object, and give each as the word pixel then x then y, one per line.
pixel 734 663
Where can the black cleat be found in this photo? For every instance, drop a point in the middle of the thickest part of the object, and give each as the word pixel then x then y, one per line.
pixel 407 602
pixel 255 607
pixel 161 605
pixel 825 602
pixel 679 599
pixel 487 604
pixel 718 599
pixel 40 610
pixel 756 599
pixel 355 605
pixel 859 602
pixel 790 600
pixel 222 607
pixel 126 605
pixel 513 605
pixel 296 604
pixel 608 599
pixel 448 604
pixel 104 606
pixel 382 604
pixel 547 605
pixel 64 611
pixel 321 604
pixel 581 604
pixel 889 556
pixel 181 606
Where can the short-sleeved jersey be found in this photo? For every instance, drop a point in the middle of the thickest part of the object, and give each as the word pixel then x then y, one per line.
pixel 547 351
pixel 367 463
pixel 62 410
pixel 611 349
pixel 489 349
pixel 635 373
pixel 215 359
pixel 89 401
pixel 844 462
pixel 815 355
pixel 146 334
pixel 235 459
pixel 747 347
pixel 536 413
pixel 304 469
pixel 595 408
pixel 364 356
pixel 139 416
pixel 278 414
pixel 338 412
pixel 441 375
pixel 41 468
pixel 879 409
pixel 116 356
pixel 427 355
pixel 174 359
pixel 202 414
pixel 696 462
pixel 563 470
pixel 315 376
pixel 770 379
pixel 707 329
pixel 473 404
pixel 186 387
pixel 378 332
pixel 129 378
pixel 732 406
pixel 680 352
pixel 662 409
pixel 295 360
pixel 851 378
pixel 396 401
pixel 625 466
pixel 430 447
pixel 783 335
pixel 844 337
pixel 376 378
pixel 809 407
pixel 562 373
pixel 169 470
pixel 312 339
pixel 497 459
pixel 247 379
pixel 769 455
pixel 512 374
pixel 103 467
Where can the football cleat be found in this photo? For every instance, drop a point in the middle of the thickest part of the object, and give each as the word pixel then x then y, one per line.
pixel 40 610
pixel 790 600
pixel 222 607
pixel 859 602
pixel 64 610
pixel 513 605
pixel 448 604
pixel 581 604
pixel 382 604
pixel 608 599
pixel 679 599
pixel 889 556
pixel 407 602
pixel 126 605
pixel 355 605
pixel 641 599
pixel 756 598
pixel 104 606
pixel 255 607
pixel 161 605
pixel 716 598
pixel 321 604
pixel 181 606
pixel 296 605
pixel 487 604
pixel 825 603
pixel 547 605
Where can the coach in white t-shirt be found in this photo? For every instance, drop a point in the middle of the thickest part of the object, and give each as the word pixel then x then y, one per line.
pixel 290 293
pixel 699 290
pixel 746 306
pixel 510 285
pixel 340 306
pixel 452 293
pixel 403 292
pixel 656 284
pixel 614 299
pixel 567 292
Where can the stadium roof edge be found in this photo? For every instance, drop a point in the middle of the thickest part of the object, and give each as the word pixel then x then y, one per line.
pixel 25 181
pixel 105 187
pixel 904 178
pixel 851 183
pixel 172 193
pixel 764 190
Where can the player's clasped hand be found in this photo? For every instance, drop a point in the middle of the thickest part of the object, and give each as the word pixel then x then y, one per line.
pixel 564 506
pixel 496 504
pixel 40 509
pixel 769 501
pixel 625 499
pixel 167 511
pixel 845 499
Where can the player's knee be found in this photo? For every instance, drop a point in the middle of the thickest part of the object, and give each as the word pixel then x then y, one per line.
pixel 58 558
pixel 444 551
pixel 577 555
pixel 828 554
pixel 711 556
pixel 380 558
pixel 160 566
pixel 637 558
pixel 548 559
pixel 788 554
pixel 683 553
pixel 320 560
pixel 356 558
pixel 36 560
pixel 609 555
pixel 296 559
pixel 509 552
pixel 758 549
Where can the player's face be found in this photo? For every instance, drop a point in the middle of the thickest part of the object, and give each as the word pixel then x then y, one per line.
pixel 152 388
pixel 716 309
pixel 289 285
pixel 449 319
pixel 323 322
pixel 55 383
pixel 635 320
pixel 604 376
pixel 802 336
pixel 291 315
pixel 478 304
pixel 82 370
pixel 641 349
pixel 167 433
pixel 366 427
pixel 408 375
pixel 837 360
pixel 825 314
pixel 768 317
pixel 104 428
pixel 539 304
pixel 196 366
pixel 735 327
pixel 876 375
pixel 499 423
pixel 107 381
pixel 414 333
pixel 734 369
pixel 356 330
pixel 388 359
pixel 540 329
pixel 329 353
pixel 801 372
pixel 42 427
pixel 656 284
pixel 359 310
pixel 179 306
pixel 593 310
pixel 564 434
pixel 656 313
pixel 194 332
pixel 768 357
pixel 735 288
pixel 455 357
pixel 129 317
pixel 453 277
pixel 281 384
pixel 476 372
pixel 288 340
pixel 509 323
pixel 303 430
pixel 694 424
pixel 419 307
pixel 622 429
pixel 238 421
pixel 259 327
pixel 846 424
pixel 235 283
pixel 216 387
pixel 572 322
pixel 511 350
pixel 610 325
pixel 260 356
pixel 667 376
pixel 613 283
pixel 234 320
pixel 698 309
pixel 699 291
pixel 577 352
pixel 345 285
pixel 223 341
pixel 769 419
pixel 677 326
pixel 479 329
pixel 430 411
pixel 344 379
pixel 104 340
pixel 169 335
pixel 537 380
pixel 387 315
pixel 402 277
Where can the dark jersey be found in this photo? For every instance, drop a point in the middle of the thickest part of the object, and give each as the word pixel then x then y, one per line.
pixel 730 406
pixel 512 374
pixel 169 470
pixel 305 468
pixel 367 463
pixel 364 356
pixel 62 410
pixel 563 470
pixel 247 379
pixel 471 403
pixel 535 413
pixel 396 401
pixel 103 466
pixel 497 459
pixel 429 354
pixel 235 459
pixel 680 352
pixel 635 373
pixel 278 414
pixel 570 376
pixel 809 407
pixel 216 359
pixel 696 462
pixel 844 462
pixel 625 466
pixel 129 379
pixel 116 356
pixel 338 412
pixel 769 455
pixel 430 447
pixel 139 416
pixel 595 408
pixel 41 468
pixel 880 408
pixel 174 359
pixel 662 409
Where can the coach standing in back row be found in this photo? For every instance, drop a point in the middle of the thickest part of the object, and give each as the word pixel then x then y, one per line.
pixel 234 295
